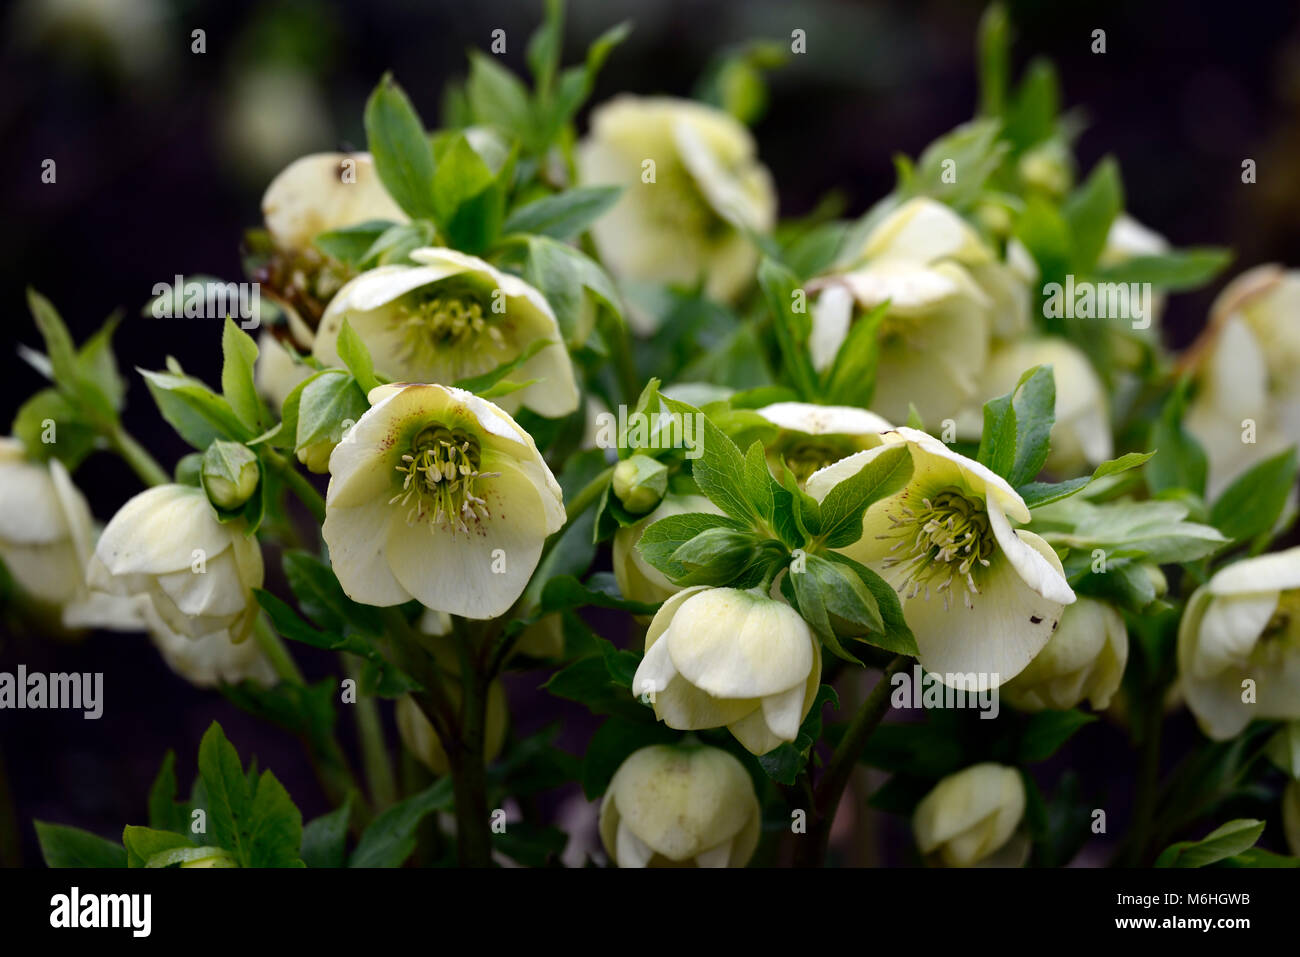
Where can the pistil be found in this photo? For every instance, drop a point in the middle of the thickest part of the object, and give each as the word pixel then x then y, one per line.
pixel 439 480
pixel 942 539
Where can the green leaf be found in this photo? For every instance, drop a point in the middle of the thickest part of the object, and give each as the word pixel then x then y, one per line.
pixel 239 353
pixel 1091 209
pixel 324 839
pixel 499 99
pixel 197 413
pixel 1179 461
pixel 720 468
pixel 994 50
pixel 329 404
pixel 1015 442
pixel 661 539
pixel 851 379
pixel 494 380
pixel 1232 838
pixel 469 202
pixel 1047 731
pixel 145 846
pixel 561 273
pixel 276 829
pixel 390 838
pixel 63 846
pixel 808 591
pixel 321 597
pixel 355 355
pixel 230 799
pixel 350 244
pixel 1037 494
pixel 165 814
pixel 576 83
pixel 792 328
pixel 97 365
pixel 401 149
pixel 785 763
pixel 1252 503
pixel 894 634
pixel 395 244
pixel 1032 117
pixel 58 341
pixel 844 505
pixel 543 54
pixel 564 215
pixel 49 415
pixel 1176 271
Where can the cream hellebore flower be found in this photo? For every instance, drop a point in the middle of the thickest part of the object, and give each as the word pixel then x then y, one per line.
pixel 210 660
pixel 935 336
pixel 1081 436
pixel 675 805
pixel 637 579
pixel 45 526
pixel 694 190
pixel 722 656
pixel 970 819
pixel 813 436
pixel 451 317
pixel 438 495
pixel 1247 404
pixel 324 191
pixel 1239 645
pixel 1084 659
pixel 193 575
pixel 979 595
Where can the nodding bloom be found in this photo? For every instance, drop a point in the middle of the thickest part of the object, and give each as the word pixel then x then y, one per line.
pixel 813 436
pixel 979 595
pixel 438 495
pixel 453 317
pixel 675 805
pixel 971 819
pixel 1085 659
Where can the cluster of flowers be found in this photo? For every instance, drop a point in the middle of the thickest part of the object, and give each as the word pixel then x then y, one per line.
pixel 446 337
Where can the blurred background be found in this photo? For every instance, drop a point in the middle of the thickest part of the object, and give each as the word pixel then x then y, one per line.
pixel 161 155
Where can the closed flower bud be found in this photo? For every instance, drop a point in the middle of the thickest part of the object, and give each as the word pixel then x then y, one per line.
pixel 640 483
pixel 1084 659
pixel 197 575
pixel 422 740
pixel 1239 645
pixel 683 805
pixel 970 819
pixel 722 657
pixel 1048 167
pixel 230 473
pixel 637 579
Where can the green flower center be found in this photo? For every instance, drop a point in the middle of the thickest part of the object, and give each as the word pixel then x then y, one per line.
pixel 805 454
pixel 439 478
pixel 680 204
pixel 1283 627
pixel 943 538
pixel 443 323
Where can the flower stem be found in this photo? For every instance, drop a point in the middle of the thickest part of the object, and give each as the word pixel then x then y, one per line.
pixel 829 790
pixel 298 484
pixel 1144 802
pixel 276 653
pixel 465 755
pixel 136 456
pixel 374 749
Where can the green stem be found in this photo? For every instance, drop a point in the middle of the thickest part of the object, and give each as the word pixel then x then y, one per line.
pixel 298 484
pixel 618 340
pixel 136 456
pixel 465 755
pixel 281 660
pixel 374 749
pixel 1144 803
pixel 812 850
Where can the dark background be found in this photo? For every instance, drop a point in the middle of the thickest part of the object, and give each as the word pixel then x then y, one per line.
pixel 157 175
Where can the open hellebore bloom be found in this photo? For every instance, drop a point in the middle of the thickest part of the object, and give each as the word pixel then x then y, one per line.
pixel 449 318
pixel 1247 404
pixel 45 526
pixel 719 657
pixel 694 189
pixel 1084 659
pixel 438 495
pixel 813 436
pixel 324 191
pixel 1081 435
pixel 970 819
pixel 979 595
pixel 637 579
pixel 1239 645
pixel 194 575
pixel 677 805
pixel 935 336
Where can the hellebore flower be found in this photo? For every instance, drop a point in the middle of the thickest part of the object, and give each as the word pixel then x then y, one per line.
pixel 719 657
pixel 324 191
pixel 674 805
pixel 438 495
pixel 449 318
pixel 1239 645
pixel 637 579
pixel 979 595
pixel 970 819
pixel 45 526
pixel 813 436
pixel 694 191
pixel 194 576
pixel 1084 659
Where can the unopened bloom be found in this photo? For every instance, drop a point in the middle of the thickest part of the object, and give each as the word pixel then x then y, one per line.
pixel 694 191
pixel 812 436
pixel 452 317
pixel 325 191
pixel 1239 645
pixel 420 738
pixel 935 334
pixel 979 595
pixel 970 819
pixel 1085 659
pixel 438 495
pixel 672 805
pixel 210 660
pixel 45 526
pixel 1081 435
pixel 637 579
pixel 166 547
pixel 719 657
pixel 640 482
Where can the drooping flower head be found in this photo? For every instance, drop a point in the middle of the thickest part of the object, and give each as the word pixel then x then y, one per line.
pixel 813 436
pixel 1085 659
pixel 438 495
pixel 450 318
pixel 970 819
pixel 979 595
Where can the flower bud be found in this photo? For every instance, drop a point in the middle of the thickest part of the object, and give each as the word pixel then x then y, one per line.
pixel 1085 658
pixel 637 579
pixel 673 805
pixel 1048 167
pixel 970 819
pixel 420 738
pixel 230 473
pixel 640 483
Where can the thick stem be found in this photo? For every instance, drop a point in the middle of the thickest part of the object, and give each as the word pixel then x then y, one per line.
pixel 811 851
pixel 1148 780
pixel 374 749
pixel 276 653
pixel 135 455
pixel 298 484
pixel 468 768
